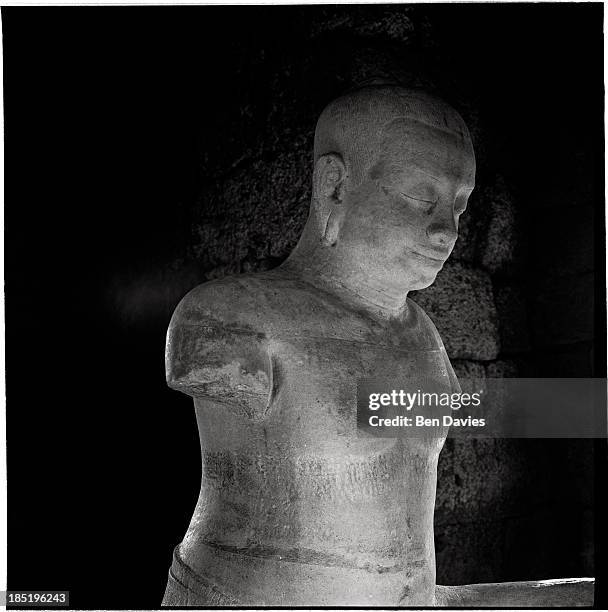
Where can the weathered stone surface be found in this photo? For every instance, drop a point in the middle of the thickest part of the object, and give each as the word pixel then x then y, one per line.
pixel 271 360
pixel 471 375
pixel 465 465
pixel 368 21
pixel 468 369
pixel 256 214
pixel 560 593
pixel 478 478
pixel 465 246
pixel 468 229
pixel 502 246
pixel 504 368
pixel 462 307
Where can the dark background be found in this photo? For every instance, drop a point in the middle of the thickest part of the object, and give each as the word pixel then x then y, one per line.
pixel 150 149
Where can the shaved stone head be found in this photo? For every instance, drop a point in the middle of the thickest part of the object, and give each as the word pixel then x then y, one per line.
pixel 355 124
pixel 393 170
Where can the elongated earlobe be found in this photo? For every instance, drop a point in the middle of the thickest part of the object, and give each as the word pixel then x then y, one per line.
pixel 328 194
pixel 332 227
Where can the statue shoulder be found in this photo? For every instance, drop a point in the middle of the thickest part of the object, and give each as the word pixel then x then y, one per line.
pixel 273 303
pixel 227 302
pixel 216 350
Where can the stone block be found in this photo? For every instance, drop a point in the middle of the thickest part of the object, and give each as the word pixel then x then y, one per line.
pixel 477 478
pixel 468 369
pixel 256 214
pixel 471 375
pixel 461 305
pixel 504 368
pixel 502 244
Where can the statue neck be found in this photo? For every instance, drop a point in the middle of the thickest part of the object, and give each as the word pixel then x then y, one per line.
pixel 318 268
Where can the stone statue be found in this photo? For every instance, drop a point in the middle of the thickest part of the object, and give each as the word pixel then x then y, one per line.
pixel 295 508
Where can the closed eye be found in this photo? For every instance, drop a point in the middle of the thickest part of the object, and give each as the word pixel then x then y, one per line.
pixel 405 195
pixel 426 206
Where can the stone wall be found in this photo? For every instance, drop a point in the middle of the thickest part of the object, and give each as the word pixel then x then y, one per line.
pixel 514 509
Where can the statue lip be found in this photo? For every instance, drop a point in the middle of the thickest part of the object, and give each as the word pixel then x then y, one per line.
pixel 441 259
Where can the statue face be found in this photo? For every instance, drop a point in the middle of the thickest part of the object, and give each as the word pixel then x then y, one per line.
pixel 401 222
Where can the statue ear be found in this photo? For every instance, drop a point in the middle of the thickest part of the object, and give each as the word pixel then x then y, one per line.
pixel 328 192
pixel 329 176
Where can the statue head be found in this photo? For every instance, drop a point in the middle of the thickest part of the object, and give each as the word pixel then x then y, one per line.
pixel 393 171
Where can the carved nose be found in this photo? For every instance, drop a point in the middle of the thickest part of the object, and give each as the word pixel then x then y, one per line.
pixel 441 234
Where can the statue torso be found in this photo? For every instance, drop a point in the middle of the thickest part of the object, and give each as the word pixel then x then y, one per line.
pixel 292 495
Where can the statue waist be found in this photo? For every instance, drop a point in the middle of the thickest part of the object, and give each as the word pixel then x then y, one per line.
pixel 380 506
pixel 271 577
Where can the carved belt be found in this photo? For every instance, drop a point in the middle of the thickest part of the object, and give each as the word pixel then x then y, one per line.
pixel 239 579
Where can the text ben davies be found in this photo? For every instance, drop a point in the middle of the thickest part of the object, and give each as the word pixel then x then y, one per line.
pixel 421 421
